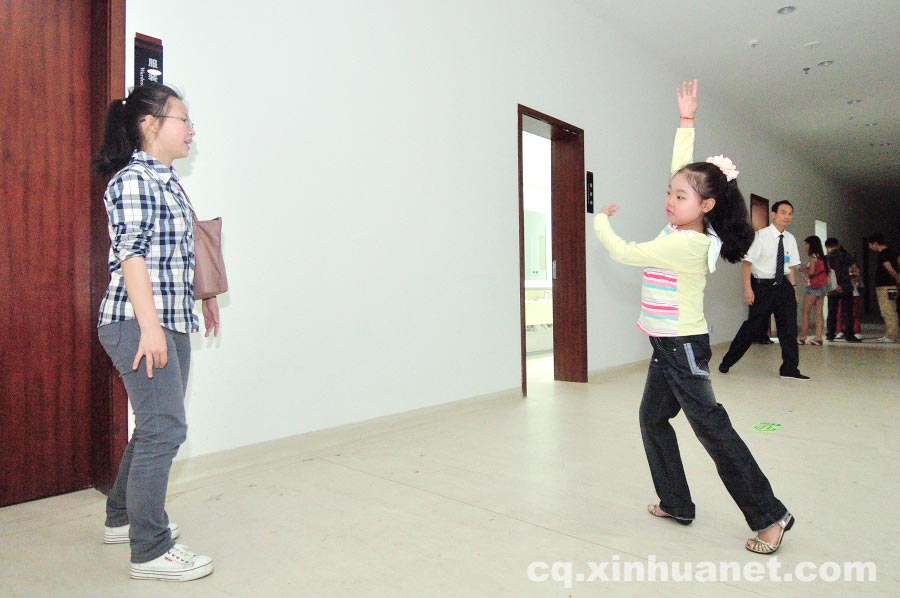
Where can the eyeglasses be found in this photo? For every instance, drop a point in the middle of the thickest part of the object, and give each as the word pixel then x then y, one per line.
pixel 184 119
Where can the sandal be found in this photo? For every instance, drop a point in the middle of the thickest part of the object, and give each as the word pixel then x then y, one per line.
pixel 816 342
pixel 657 512
pixel 802 341
pixel 761 546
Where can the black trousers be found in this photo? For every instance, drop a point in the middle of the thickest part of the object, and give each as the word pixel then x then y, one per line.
pixel 845 300
pixel 769 299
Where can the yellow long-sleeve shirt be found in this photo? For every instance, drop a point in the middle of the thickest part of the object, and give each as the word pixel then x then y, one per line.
pixel 675 266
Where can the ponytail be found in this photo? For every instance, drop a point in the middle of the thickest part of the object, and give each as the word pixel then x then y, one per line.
pixel 116 149
pixel 731 221
pixel 122 134
pixel 729 217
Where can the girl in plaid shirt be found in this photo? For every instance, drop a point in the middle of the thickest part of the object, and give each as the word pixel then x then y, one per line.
pixel 146 315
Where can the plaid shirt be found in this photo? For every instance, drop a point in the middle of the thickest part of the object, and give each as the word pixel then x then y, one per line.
pixel 149 216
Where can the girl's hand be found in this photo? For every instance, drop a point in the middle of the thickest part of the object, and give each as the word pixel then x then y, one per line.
pixel 687 98
pixel 610 209
pixel 210 309
pixel 152 347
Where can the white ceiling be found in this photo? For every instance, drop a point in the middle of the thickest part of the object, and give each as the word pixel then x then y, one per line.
pixel 767 85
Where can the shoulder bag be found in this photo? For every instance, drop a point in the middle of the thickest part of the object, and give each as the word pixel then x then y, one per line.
pixel 210 279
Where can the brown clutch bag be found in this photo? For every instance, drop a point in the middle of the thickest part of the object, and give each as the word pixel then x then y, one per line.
pixel 209 267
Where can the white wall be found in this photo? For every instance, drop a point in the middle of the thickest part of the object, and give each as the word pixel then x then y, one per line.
pixel 363 156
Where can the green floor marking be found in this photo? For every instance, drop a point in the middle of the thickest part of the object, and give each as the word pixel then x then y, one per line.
pixel 767 427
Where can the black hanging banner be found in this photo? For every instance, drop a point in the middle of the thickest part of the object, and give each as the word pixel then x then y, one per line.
pixel 148 59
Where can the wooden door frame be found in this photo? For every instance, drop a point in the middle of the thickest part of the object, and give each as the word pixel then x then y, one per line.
pixel 109 417
pixel 567 222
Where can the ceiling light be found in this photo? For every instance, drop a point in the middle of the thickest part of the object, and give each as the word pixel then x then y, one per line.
pixel 870 124
pixel 851 102
pixel 786 10
pixel 812 44
pixel 826 63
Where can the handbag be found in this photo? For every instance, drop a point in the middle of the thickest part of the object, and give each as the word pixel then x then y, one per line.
pixel 209 266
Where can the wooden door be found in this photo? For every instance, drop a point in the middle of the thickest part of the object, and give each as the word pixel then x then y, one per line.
pixel 55 83
pixel 568 233
pixel 569 293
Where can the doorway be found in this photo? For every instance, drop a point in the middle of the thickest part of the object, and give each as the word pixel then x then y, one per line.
pixel 759 219
pixel 821 231
pixel 552 267
pixel 759 212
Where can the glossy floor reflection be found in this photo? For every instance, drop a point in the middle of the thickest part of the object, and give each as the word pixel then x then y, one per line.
pixel 462 499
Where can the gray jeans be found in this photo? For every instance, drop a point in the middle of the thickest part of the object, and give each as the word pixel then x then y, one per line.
pixel 138 495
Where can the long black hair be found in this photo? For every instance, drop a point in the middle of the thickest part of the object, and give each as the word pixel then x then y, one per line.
pixel 123 130
pixel 729 217
pixel 815 249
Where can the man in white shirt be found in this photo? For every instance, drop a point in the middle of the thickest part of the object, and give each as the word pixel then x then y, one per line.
pixel 770 288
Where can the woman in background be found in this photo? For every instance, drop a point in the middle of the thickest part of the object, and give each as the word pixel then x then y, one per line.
pixel 815 274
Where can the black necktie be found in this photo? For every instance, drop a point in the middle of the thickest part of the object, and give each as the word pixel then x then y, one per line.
pixel 779 261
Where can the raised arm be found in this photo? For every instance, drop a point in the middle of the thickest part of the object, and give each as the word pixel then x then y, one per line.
pixel 683 150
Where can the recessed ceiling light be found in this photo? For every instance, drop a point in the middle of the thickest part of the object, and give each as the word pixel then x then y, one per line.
pixel 786 10
pixel 826 63
pixel 851 102
pixel 870 124
pixel 812 44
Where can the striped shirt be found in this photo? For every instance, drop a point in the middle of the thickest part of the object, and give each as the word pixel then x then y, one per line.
pixel 150 217
pixel 675 268
pixel 675 264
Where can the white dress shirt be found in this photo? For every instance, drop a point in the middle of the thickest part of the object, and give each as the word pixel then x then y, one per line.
pixel 764 250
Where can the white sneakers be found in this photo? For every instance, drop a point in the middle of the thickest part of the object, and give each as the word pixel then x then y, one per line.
pixel 886 339
pixel 178 564
pixel 119 535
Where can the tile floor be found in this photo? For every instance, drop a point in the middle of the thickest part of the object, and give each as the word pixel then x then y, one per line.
pixel 460 500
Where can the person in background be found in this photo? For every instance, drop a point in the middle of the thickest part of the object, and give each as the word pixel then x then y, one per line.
pixel 886 280
pixel 770 288
pixel 840 260
pixel 815 275
pixel 897 298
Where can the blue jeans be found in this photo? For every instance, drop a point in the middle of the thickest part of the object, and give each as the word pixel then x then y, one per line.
pixel 678 380
pixel 138 496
